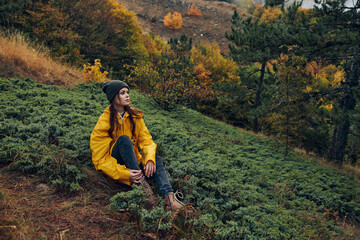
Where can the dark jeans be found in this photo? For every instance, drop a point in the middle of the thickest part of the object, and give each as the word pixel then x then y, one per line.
pixel 124 153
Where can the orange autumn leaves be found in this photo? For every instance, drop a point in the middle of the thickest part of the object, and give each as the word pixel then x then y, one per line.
pixel 174 20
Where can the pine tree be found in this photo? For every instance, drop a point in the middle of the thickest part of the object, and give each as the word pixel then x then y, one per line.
pixel 339 28
pixel 256 41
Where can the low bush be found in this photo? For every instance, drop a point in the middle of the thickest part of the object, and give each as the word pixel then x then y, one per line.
pixel 173 20
pixel 194 11
pixel 45 130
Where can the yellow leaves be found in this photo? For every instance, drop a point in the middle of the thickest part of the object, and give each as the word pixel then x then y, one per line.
pixel 153 44
pixel 308 89
pixel 328 107
pixel 194 11
pixel 173 21
pixel 268 14
pixel 328 75
pixel 209 55
pixel 306 11
pixel 324 77
pixel 315 77
pixel 317 71
pixel 259 9
pixel 123 17
pixel 93 72
pixel 339 77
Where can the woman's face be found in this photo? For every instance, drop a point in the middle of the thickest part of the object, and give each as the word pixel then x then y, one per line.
pixel 122 99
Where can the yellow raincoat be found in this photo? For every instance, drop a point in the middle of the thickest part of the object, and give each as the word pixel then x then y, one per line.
pixel 101 145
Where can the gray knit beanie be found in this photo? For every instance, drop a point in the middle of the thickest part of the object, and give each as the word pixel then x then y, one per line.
pixel 112 88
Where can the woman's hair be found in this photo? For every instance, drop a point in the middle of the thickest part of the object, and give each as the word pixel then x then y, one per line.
pixel 114 124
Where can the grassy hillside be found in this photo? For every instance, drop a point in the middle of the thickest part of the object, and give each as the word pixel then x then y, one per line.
pixel 19 57
pixel 241 184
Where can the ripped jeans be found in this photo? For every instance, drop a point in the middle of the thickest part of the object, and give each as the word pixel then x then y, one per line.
pixel 124 153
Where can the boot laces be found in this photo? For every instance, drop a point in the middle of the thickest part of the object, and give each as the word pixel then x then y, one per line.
pixel 178 196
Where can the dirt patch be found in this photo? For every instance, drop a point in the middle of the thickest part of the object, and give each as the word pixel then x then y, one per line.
pixel 30 209
pixel 210 27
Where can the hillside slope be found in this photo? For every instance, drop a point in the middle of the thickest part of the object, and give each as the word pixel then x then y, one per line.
pixel 242 185
pixel 19 57
pixel 210 27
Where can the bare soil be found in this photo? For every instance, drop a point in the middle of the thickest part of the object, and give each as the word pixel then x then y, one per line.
pixel 210 27
pixel 32 210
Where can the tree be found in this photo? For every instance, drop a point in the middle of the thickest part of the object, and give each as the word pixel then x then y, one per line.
pixel 222 69
pixel 109 32
pixel 193 10
pixel 80 31
pixel 181 47
pixel 295 119
pixel 288 106
pixel 257 41
pixel 173 21
pixel 339 29
pixel 353 147
pixel 172 79
pixel 346 104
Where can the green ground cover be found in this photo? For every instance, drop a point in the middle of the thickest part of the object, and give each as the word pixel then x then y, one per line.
pixel 242 185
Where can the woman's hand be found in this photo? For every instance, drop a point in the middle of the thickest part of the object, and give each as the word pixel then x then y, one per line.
pixel 135 176
pixel 150 168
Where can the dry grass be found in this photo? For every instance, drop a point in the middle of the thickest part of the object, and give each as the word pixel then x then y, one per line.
pixel 20 58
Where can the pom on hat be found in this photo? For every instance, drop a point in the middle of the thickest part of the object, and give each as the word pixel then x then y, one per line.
pixel 112 88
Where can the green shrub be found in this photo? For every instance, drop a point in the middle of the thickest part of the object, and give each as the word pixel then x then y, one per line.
pixel 134 201
pixel 45 130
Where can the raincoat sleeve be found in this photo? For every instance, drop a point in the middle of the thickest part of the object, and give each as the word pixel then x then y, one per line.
pixel 101 147
pixel 145 143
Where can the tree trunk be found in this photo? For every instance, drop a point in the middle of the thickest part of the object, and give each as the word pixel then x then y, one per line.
pixel 353 157
pixel 347 103
pixel 257 96
pixel 339 140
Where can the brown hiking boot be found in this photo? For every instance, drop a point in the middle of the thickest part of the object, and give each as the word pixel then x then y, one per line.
pixel 173 201
pixel 151 199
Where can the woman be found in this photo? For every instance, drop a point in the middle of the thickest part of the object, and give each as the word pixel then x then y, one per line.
pixel 115 142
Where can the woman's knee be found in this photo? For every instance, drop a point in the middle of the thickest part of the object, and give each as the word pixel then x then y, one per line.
pixel 125 140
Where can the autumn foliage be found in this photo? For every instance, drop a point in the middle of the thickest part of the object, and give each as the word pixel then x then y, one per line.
pixel 79 31
pixel 172 78
pixel 153 44
pixel 209 55
pixel 328 76
pixel 173 21
pixel 93 72
pixel 267 14
pixel 170 82
pixel 194 11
